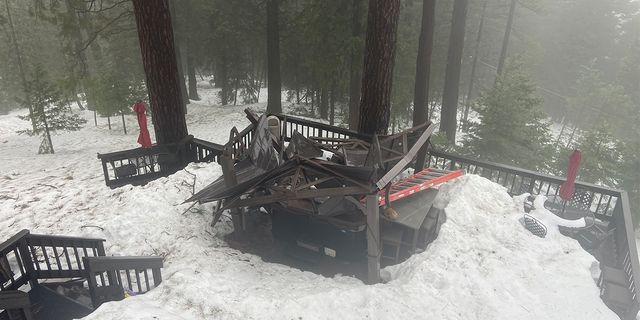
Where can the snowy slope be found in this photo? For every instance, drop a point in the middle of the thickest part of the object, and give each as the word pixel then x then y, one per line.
pixel 484 265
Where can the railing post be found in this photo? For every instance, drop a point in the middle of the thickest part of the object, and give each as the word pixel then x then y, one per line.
pixel 27 262
pixel 373 238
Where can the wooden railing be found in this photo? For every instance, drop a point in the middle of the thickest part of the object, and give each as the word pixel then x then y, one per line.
pixel 105 276
pixel 518 181
pixel 13 253
pixel 141 165
pixel 44 257
pixel 203 151
pixel 26 258
pixel 316 129
pixel 609 205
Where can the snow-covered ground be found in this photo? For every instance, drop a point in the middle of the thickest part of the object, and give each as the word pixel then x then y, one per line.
pixel 484 264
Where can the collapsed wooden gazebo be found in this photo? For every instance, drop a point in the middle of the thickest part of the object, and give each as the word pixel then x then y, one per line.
pixel 335 180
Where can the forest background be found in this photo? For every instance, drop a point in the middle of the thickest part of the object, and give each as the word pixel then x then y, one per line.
pixel 570 62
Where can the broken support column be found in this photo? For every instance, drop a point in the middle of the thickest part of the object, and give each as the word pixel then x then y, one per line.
pixel 373 238
pixel 230 179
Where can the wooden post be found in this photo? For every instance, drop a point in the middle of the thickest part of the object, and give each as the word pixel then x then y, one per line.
pixel 373 238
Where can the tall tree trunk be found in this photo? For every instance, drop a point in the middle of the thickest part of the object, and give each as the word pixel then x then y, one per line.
pixel 332 109
pixel 176 44
pixel 465 118
pixel 47 135
pixel 236 83
pixel 273 58
pixel 191 71
pixel 423 69
pixel 452 74
pixel 223 80
pixel 161 68
pixel 379 58
pixel 505 40
pixel 124 124
pixel 355 75
pixel 324 103
pixel 20 65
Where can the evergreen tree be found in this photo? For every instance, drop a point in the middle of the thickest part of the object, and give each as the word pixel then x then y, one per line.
pixel 599 156
pixel 596 101
pixel 512 130
pixel 49 111
pixel 114 95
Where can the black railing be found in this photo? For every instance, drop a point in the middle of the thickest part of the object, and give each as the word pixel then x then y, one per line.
pixel 518 181
pixel 26 257
pixel 203 151
pixel 316 129
pixel 141 165
pixel 109 277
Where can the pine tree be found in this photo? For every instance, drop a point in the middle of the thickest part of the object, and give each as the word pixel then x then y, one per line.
pixel 599 156
pixel 50 113
pixel 512 129
pixel 113 94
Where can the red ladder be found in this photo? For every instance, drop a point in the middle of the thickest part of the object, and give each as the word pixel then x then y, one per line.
pixel 422 180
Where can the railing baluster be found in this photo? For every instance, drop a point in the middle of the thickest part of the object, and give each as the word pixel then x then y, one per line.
pixel 138 280
pixel 66 253
pixel 119 280
pixel 606 210
pixel 78 259
pixel 146 279
pixel 46 257
pixel 128 280
pixel 34 254
pixel 19 259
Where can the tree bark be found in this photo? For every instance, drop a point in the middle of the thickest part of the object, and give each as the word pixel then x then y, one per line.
pixel 273 58
pixel 153 21
pixel 452 73
pixel 332 109
pixel 223 80
pixel 423 69
pixel 505 40
pixel 176 43
pixel 355 75
pixel 124 124
pixel 377 75
pixel 191 71
pixel 324 103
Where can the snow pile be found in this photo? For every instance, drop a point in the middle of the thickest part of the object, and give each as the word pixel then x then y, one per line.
pixel 484 265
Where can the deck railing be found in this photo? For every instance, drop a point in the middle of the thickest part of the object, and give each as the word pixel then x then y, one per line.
pixel 518 181
pixel 108 277
pixel 141 165
pixel 26 257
